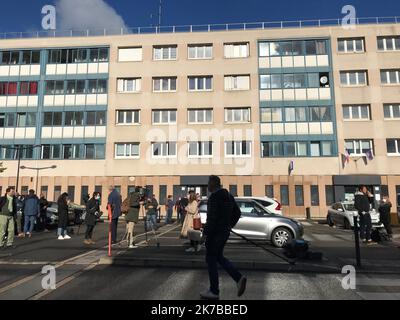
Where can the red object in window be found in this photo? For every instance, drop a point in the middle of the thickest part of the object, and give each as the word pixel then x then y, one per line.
pixel 12 88
pixel 33 88
pixel 3 86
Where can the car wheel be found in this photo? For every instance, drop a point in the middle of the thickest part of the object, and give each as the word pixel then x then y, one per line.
pixel 347 224
pixel 330 221
pixel 280 237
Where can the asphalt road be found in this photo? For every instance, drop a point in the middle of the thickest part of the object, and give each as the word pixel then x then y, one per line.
pixel 79 276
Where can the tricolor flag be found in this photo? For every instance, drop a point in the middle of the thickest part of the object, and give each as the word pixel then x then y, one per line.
pixel 345 158
pixel 370 155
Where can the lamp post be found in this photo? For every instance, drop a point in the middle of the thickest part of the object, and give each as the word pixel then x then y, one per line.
pixel 19 149
pixel 37 173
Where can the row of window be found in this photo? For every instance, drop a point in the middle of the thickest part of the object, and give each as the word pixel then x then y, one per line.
pixel 362 146
pixel 65 152
pixel 20 119
pixel 357 45
pixel 55 87
pixel 81 55
pixel 297 148
pixel 293 48
pixel 194 149
pixel 169 116
pixel 293 80
pixel 363 111
pixel 195 83
pixel 360 77
pixel 194 51
pixel 296 114
pixel 24 88
pixel 16 57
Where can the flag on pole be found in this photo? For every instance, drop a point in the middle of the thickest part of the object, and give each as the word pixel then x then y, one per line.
pixel 345 158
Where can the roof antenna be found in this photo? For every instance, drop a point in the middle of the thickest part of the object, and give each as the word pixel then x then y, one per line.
pixel 159 14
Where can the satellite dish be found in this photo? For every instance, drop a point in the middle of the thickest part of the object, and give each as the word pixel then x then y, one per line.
pixel 324 79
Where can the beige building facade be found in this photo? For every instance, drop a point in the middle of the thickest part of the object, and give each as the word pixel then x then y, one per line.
pixel 300 114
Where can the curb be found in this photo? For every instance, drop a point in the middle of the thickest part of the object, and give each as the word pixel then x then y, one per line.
pixel 200 264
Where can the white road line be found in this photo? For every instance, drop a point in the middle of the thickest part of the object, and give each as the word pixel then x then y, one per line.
pixel 379 295
pixel 324 237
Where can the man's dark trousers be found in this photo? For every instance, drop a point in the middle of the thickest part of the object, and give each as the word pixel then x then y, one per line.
pixel 365 226
pixel 114 226
pixel 215 254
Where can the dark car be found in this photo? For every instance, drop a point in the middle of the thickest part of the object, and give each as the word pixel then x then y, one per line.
pixel 76 213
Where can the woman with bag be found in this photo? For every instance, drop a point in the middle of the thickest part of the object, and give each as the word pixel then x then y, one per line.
pixel 92 212
pixel 192 212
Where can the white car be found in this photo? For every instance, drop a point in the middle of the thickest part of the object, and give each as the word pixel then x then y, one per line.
pixel 342 213
pixel 272 205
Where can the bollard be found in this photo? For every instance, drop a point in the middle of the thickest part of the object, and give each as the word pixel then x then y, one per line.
pixel 357 240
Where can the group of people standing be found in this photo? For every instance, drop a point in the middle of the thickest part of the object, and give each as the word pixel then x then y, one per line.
pixel 363 202
pixel 20 215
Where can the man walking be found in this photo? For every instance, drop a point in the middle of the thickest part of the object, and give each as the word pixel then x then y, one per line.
pixel 32 211
pixel 43 209
pixel 362 203
pixel 114 202
pixel 169 206
pixel 152 209
pixel 220 207
pixel 8 210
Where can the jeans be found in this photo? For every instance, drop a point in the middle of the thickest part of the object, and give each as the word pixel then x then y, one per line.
pixel 365 226
pixel 114 226
pixel 130 226
pixel 18 220
pixel 89 232
pixel 29 223
pixel 6 226
pixel 62 232
pixel 215 254
pixel 168 218
pixel 151 222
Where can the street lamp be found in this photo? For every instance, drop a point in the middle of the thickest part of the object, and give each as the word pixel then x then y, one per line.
pixel 37 173
pixel 19 149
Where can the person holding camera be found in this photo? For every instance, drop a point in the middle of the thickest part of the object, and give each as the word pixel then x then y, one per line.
pixel 362 203
pixel 92 212
pixel 151 216
pixel 132 217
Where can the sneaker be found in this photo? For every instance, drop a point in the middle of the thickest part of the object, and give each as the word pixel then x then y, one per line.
pixel 92 242
pixel 86 241
pixel 10 246
pixel 241 286
pixel 208 295
pixel 191 249
pixel 133 246
pixel 21 235
pixel 67 237
pixel 60 238
pixel 198 247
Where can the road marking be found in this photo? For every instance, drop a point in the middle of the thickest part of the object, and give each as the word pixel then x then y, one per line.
pixel 62 263
pixel 379 295
pixel 324 237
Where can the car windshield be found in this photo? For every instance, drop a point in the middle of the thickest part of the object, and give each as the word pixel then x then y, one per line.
pixel 349 206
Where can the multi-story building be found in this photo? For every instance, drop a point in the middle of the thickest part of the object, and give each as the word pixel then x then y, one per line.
pixel 300 114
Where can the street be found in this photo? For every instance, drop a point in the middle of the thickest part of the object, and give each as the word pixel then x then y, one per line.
pixel 167 272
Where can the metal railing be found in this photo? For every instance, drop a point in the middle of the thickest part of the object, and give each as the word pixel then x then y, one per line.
pixel 196 28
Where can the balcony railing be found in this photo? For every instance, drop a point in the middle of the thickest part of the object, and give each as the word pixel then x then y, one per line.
pixel 196 28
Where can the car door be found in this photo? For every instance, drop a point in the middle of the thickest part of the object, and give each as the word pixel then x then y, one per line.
pixel 250 224
pixel 335 213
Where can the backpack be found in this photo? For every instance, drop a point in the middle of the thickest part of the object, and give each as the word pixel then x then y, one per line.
pixel 236 213
pixel 125 206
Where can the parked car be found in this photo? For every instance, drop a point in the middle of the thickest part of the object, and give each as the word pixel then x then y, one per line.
pixel 258 223
pixel 271 204
pixel 342 213
pixel 76 213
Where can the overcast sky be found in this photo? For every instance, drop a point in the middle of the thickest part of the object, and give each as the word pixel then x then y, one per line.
pixel 22 15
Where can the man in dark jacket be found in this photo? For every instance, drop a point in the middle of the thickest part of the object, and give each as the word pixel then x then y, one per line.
pixel 31 212
pixel 114 202
pixel 132 217
pixel 43 210
pixel 362 203
pixel 217 229
pixel 8 210
pixel 384 214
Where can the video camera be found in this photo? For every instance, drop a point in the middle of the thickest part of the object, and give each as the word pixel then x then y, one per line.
pixel 144 193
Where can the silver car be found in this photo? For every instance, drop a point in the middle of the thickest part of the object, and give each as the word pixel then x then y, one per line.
pixel 257 223
pixel 342 214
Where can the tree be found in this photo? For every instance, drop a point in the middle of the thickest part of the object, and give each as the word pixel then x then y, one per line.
pixel 2 169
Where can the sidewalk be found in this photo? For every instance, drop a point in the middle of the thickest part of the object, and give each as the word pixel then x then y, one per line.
pixel 171 254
